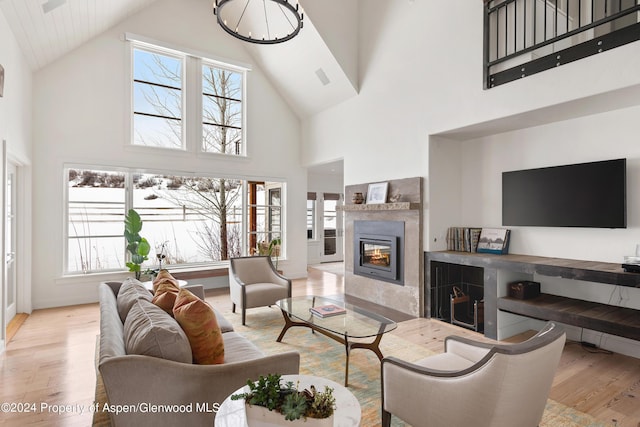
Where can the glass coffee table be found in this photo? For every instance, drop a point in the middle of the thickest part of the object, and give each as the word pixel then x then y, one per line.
pixel 349 327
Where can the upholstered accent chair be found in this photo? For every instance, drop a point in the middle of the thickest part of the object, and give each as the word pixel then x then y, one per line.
pixel 473 383
pixel 254 282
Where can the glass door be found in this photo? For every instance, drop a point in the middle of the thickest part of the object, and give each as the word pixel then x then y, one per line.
pixel 10 242
pixel 332 228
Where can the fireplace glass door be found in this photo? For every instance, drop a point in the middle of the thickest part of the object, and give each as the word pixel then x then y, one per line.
pixel 376 255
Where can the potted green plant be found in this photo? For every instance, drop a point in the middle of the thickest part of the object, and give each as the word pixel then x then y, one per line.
pixel 271 249
pixel 268 401
pixel 137 245
pixel 274 249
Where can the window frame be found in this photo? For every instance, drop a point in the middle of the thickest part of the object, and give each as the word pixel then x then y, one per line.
pixel 192 92
pixel 129 203
pixel 200 131
pixel 184 119
pixel 312 216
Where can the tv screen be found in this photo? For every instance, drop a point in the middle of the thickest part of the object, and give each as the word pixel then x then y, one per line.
pixel 579 195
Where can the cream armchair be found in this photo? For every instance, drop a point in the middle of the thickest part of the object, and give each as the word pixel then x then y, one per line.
pixel 474 383
pixel 253 282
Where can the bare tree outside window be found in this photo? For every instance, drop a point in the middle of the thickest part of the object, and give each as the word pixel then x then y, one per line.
pixel 218 200
pixel 195 219
pixel 160 77
pixel 157 100
pixel 221 111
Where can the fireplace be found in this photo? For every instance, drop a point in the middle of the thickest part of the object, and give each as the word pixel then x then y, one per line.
pixel 378 250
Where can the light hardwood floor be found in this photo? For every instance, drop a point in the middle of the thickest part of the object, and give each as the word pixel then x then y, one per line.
pixel 50 361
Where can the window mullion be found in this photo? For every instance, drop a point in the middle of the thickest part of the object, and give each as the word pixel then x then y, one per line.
pixel 193 103
pixel 245 148
pixel 245 216
pixel 128 204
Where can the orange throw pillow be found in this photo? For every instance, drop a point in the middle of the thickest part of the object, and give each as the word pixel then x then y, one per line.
pixel 199 323
pixel 165 296
pixel 164 276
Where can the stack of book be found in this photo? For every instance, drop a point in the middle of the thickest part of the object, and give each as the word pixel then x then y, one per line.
pixel 463 239
pixel 327 310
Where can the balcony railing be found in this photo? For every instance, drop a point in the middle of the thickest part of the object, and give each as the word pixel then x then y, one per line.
pixel 525 37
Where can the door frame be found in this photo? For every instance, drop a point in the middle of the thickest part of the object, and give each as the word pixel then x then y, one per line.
pixel 22 212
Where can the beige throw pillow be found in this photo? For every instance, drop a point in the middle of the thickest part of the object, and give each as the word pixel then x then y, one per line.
pixel 130 291
pixel 149 331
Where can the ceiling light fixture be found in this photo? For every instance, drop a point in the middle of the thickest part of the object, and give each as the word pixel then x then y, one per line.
pixel 260 21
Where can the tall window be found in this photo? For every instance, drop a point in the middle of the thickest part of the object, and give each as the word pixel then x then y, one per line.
pixel 157 99
pixel 330 225
pixel 264 215
pixel 197 219
pixel 95 220
pixel 166 81
pixel 221 111
pixel 311 215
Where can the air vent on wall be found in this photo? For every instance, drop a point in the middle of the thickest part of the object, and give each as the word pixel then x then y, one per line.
pixel 50 5
pixel 322 76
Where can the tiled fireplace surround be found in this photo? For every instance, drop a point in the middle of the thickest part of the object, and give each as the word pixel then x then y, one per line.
pixel 409 298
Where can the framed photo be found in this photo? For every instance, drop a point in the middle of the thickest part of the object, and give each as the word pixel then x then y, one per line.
pixel 377 192
pixel 494 241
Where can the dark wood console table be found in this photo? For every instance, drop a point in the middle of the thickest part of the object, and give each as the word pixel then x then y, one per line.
pixel 613 320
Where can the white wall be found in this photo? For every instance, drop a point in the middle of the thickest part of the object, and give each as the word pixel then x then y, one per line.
pixel 15 128
pixel 80 116
pixel 422 111
pixel 478 202
pixel 15 105
pixel 600 137
pixel 338 30
pixel 421 88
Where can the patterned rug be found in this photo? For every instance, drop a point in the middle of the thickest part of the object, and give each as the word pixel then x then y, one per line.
pixel 321 356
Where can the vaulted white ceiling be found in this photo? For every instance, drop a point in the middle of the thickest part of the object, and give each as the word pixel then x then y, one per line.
pixel 315 70
pixel 48 29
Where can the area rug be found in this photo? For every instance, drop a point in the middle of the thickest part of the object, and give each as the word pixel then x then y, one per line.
pixel 321 356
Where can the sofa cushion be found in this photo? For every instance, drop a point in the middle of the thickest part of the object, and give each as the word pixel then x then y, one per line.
pixel 130 291
pixel 239 349
pixel 150 331
pixel 201 327
pixel 225 325
pixel 165 296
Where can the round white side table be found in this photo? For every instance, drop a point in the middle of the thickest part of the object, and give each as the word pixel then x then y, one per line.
pixel 347 414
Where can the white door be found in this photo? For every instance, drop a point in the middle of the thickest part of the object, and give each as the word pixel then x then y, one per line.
pixel 332 228
pixel 10 242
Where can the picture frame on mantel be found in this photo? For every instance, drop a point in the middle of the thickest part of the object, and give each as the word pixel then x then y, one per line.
pixel 377 193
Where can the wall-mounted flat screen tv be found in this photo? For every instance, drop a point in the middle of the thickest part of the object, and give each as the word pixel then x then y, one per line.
pixel 579 195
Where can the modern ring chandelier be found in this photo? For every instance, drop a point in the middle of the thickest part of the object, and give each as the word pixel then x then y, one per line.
pixel 260 21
